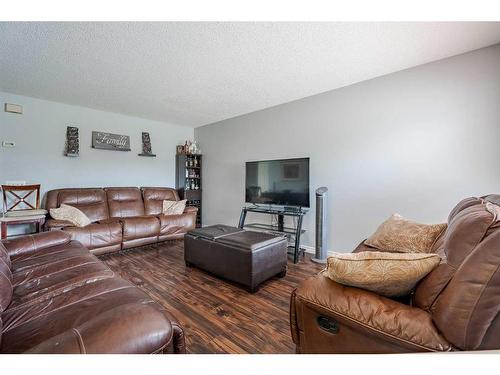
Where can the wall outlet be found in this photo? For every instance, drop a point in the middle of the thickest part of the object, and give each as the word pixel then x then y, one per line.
pixel 8 144
pixel 14 108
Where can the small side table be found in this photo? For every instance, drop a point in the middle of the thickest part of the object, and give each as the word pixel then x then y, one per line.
pixel 38 220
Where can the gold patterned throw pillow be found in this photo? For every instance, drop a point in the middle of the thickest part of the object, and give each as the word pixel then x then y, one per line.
pixel 173 207
pixel 71 214
pixel 387 274
pixel 405 236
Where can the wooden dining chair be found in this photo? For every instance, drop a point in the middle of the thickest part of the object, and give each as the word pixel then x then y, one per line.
pixel 21 205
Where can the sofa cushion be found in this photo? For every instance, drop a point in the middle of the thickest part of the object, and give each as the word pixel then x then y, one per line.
pixel 140 227
pixel 71 214
pixel 388 274
pixel 124 202
pixel 154 197
pixel 92 202
pixel 405 236
pixel 97 235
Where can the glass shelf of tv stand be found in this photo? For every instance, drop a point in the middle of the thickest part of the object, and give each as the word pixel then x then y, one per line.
pixel 273 228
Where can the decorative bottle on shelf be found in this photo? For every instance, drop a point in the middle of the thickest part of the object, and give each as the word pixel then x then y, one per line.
pixel 187 184
pixel 195 161
pixel 186 148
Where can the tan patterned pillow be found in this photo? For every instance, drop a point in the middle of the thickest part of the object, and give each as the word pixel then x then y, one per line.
pixel 173 207
pixel 405 236
pixel 388 274
pixel 71 214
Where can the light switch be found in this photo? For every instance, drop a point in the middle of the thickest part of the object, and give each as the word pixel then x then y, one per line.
pixel 8 144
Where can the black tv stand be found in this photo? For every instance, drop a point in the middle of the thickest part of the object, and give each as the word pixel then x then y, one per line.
pixel 280 227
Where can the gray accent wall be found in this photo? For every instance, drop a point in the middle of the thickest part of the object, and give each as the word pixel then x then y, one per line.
pixel 413 142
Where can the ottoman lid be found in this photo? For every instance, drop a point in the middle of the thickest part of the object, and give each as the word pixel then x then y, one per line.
pixel 251 240
pixel 214 232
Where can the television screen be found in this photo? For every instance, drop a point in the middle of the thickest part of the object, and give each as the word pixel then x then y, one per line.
pixel 280 182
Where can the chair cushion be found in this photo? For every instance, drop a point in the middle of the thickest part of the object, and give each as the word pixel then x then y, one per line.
pixel 23 213
pixel 405 236
pixel 388 274
pixel 71 214
pixel 468 224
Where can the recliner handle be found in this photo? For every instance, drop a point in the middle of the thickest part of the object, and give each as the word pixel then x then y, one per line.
pixel 328 324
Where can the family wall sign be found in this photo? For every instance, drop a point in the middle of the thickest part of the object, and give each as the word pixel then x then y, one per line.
pixel 109 141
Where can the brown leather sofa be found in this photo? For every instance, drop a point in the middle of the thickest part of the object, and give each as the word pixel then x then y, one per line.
pixel 455 307
pixel 56 297
pixel 122 217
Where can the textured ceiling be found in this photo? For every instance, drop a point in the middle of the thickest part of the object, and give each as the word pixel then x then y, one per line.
pixel 198 73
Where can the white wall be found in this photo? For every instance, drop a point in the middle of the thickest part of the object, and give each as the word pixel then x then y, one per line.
pixel 413 142
pixel 40 134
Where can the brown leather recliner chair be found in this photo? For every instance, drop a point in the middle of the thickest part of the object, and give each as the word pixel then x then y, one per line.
pixel 121 217
pixel 455 307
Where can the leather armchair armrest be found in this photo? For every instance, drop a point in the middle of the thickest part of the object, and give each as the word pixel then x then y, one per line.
pixel 53 224
pixel 190 210
pixel 29 244
pixel 367 318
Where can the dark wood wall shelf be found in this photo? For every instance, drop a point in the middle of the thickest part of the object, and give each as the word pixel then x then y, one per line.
pixel 188 181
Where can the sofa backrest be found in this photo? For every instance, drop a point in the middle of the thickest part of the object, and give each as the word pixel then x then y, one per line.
pixel 154 197
pixel 91 201
pixel 463 292
pixel 124 202
pixel 104 203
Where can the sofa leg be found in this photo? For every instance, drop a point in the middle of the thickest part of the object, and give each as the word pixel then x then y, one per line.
pixel 189 264
pixel 282 273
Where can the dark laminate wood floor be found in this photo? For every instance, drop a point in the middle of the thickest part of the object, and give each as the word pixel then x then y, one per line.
pixel 218 317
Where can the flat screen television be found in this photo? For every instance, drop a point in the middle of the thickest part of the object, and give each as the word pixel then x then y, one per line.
pixel 282 182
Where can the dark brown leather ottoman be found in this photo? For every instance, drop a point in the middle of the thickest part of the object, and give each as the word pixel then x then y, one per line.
pixel 245 257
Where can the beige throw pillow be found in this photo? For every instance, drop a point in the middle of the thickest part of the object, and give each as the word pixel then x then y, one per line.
pixel 388 274
pixel 173 207
pixel 405 236
pixel 71 214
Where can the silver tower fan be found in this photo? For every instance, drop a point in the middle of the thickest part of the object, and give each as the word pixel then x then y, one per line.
pixel 321 225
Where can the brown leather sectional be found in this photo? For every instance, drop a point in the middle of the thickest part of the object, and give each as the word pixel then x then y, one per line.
pixel 56 297
pixel 122 217
pixel 455 307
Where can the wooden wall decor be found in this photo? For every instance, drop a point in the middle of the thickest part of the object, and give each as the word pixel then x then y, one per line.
pixel 146 145
pixel 72 142
pixel 109 141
